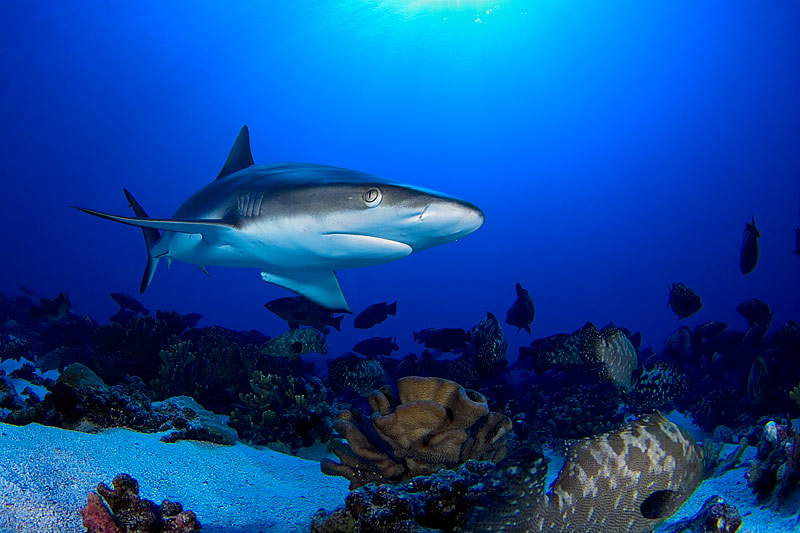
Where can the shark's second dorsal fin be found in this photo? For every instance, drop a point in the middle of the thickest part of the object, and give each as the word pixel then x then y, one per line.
pixel 240 156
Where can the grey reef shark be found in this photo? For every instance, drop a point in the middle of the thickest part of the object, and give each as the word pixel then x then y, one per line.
pixel 299 223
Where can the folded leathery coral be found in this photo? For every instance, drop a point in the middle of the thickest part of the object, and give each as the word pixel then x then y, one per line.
pixel 433 423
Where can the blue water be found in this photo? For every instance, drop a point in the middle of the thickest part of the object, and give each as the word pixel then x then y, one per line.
pixel 614 148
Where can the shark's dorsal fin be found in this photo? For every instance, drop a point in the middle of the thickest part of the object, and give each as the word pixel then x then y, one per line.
pixel 240 156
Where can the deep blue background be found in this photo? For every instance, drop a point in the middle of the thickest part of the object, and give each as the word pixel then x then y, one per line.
pixel 614 147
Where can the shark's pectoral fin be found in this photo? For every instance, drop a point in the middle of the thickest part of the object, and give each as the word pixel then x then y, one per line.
pixel 320 286
pixel 364 250
pixel 212 230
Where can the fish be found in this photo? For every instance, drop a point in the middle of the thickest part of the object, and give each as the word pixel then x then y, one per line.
pixel 627 481
pixel 191 319
pixel 299 223
pixel 125 301
pixel 27 291
pixel 755 312
pixel 521 312
pixel 748 255
pixel 297 310
pixel 443 339
pixel 376 346
pixel 683 300
pixel 374 315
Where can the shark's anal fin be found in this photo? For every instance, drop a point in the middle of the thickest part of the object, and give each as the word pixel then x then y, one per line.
pixel 320 286
pixel 240 156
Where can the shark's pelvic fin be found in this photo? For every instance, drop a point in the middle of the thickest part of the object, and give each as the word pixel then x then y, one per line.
pixel 240 156
pixel 151 236
pixel 320 286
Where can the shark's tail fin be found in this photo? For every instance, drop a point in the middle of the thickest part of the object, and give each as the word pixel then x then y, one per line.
pixel 151 236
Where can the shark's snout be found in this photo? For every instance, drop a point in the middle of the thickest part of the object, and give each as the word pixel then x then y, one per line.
pixel 447 220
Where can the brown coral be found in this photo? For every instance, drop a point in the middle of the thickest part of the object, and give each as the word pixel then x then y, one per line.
pixel 433 423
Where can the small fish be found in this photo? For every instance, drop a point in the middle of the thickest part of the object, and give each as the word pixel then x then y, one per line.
pixel 129 302
pixel 683 300
pixel 442 339
pixel 796 242
pixel 522 311
pixel 297 310
pixel 748 256
pixel 755 312
pixel 376 346
pixel 374 315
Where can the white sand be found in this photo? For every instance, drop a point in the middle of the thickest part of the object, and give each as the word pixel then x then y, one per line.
pixel 46 474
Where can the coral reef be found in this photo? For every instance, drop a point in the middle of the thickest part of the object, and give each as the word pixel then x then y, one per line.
pixel 776 471
pixel 716 516
pixel 433 423
pixel 580 411
pixel 208 365
pixel 597 490
pixel 354 373
pixel 284 412
pixel 296 342
pixel 435 502
pixel 122 510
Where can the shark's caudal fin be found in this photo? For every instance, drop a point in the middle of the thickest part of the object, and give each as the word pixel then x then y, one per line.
pixel 151 236
pixel 240 156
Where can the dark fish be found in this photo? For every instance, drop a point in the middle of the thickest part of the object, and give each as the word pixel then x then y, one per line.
pixel 297 310
pixel 755 312
pixel 129 302
pixel 521 312
pixel 443 339
pixel 376 346
pixel 796 242
pixel 122 317
pixel 709 329
pixel 27 291
pixel 374 315
pixel 683 300
pixel 191 319
pixel 52 309
pixel 748 256
pixel 608 484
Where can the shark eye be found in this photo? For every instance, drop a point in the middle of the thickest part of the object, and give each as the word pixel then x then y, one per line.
pixel 372 197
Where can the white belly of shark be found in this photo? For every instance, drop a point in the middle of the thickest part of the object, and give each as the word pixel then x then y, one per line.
pixel 299 223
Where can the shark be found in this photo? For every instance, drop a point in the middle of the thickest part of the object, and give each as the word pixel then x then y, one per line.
pixel 299 223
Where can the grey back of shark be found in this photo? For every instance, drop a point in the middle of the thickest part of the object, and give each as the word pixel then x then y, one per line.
pixel 628 481
pixel 299 223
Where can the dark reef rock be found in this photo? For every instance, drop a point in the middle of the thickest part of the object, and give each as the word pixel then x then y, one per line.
pixel 775 473
pixel 437 502
pixel 716 516
pixel 122 510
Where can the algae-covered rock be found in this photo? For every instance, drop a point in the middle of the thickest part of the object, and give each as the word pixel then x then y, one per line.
pixel 193 422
